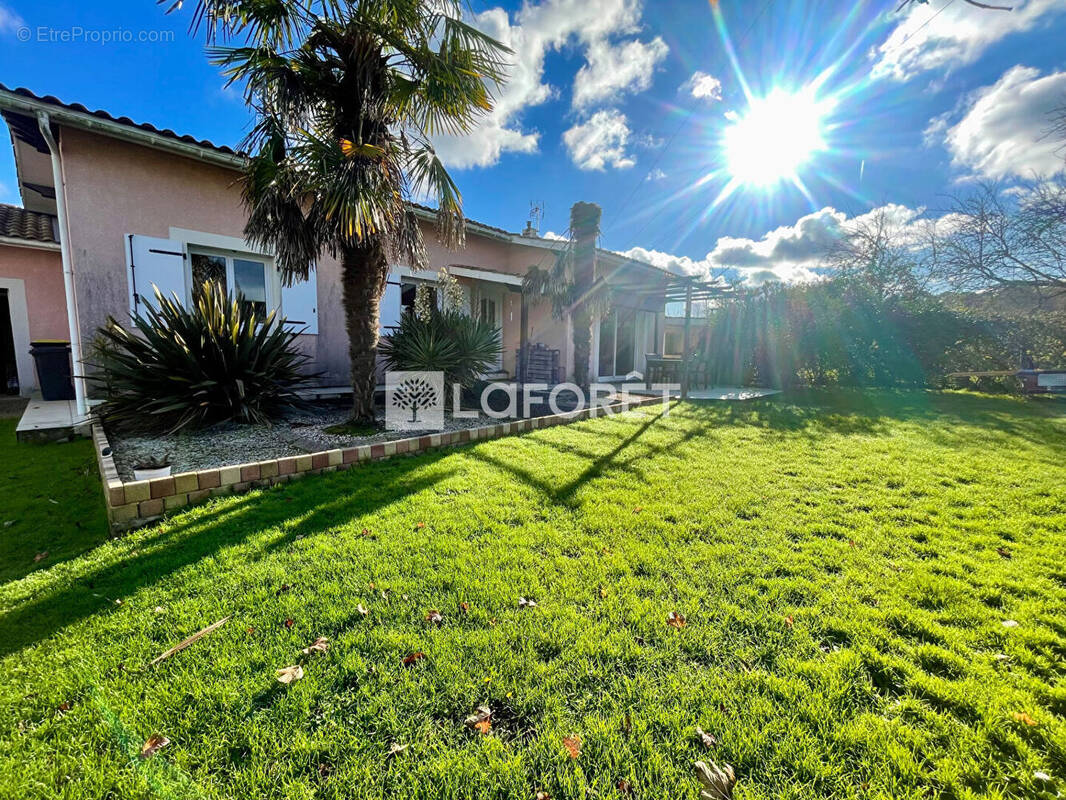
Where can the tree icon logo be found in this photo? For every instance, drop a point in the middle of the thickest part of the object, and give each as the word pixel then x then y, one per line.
pixel 414 401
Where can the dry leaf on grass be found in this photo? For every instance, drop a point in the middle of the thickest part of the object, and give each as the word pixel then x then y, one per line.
pixel 362 609
pixel 40 557
pixel 603 592
pixel 287 675
pixel 675 619
pixel 1003 552
pixel 411 659
pixel 542 795
pixel 284 588
pixel 396 748
pixel 1022 717
pixel 186 642
pixel 289 623
pixel 717 784
pixel 572 745
pixel 153 745
pixel 420 525
pixel 788 620
pixel 708 739
pixel 433 617
pixel 480 720
pixel 319 645
pixel 464 607
pixel 523 603
pixel 625 787
pixel 638 509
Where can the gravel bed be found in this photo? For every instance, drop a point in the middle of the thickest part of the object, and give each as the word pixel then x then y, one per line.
pixel 224 445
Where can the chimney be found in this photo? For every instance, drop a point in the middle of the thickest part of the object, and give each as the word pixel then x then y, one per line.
pixel 529 230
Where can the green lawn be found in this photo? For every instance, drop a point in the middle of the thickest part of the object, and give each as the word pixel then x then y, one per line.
pixel 845 564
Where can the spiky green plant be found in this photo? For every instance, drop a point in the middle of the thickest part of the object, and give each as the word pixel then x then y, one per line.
pixel 182 368
pixel 347 95
pixel 462 347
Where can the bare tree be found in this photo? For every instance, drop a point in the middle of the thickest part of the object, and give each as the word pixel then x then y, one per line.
pixel 998 236
pixel 882 251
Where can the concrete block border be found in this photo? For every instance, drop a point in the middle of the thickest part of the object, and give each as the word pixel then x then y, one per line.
pixel 131 504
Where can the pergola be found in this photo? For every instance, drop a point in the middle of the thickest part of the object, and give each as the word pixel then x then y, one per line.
pixel 666 288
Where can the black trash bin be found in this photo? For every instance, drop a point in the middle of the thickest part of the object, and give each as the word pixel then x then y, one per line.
pixel 52 358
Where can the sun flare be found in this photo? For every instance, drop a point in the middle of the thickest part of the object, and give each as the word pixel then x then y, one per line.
pixel 776 136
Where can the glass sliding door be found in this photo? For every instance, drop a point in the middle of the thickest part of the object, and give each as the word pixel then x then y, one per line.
pixel 606 354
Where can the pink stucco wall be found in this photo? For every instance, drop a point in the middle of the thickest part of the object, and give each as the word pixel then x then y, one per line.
pixel 115 188
pixel 42 272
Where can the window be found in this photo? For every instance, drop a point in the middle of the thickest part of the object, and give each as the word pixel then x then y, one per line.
pixel 236 274
pixel 409 294
pixel 672 345
pixel 488 310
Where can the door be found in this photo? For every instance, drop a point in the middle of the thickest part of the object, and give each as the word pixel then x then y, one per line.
pixel 9 373
pixel 490 309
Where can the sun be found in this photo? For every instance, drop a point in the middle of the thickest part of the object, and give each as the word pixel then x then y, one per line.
pixel 775 137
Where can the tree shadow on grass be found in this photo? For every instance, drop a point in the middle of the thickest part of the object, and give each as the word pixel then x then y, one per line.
pixel 320 502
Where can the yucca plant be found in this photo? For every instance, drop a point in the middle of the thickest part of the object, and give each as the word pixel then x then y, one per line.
pixel 181 368
pixel 460 346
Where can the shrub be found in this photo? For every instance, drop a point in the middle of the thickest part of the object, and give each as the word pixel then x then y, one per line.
pixel 188 368
pixel 460 346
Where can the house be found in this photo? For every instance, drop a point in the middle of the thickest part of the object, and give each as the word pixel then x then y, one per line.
pixel 111 208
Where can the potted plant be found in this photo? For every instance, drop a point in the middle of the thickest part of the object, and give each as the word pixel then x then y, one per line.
pixel 152 467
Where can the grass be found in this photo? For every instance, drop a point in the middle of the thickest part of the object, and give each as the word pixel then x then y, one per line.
pixel 845 564
pixel 52 504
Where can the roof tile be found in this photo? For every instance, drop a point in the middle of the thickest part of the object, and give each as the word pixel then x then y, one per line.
pixel 18 223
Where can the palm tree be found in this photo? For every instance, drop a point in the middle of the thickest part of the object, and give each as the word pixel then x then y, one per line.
pixel 573 286
pixel 346 95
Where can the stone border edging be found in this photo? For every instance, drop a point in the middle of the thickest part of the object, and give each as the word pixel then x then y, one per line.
pixel 131 504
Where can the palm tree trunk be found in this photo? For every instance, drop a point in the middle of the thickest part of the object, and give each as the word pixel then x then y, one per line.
pixel 364 270
pixel 582 347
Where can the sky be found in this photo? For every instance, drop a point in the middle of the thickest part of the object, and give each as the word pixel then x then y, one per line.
pixel 726 138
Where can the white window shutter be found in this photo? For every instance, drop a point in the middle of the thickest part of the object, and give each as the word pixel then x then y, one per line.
pixel 389 315
pixel 299 305
pixel 152 262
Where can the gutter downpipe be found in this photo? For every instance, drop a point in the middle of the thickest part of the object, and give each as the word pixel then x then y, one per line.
pixel 44 124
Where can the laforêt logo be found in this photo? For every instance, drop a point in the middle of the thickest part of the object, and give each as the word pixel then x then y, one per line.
pixel 414 401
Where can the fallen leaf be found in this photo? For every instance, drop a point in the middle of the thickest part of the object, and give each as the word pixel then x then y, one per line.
pixel 542 796
pixel 675 619
pixel 411 659
pixel 1021 716
pixel 420 525
pixel 481 715
pixel 1003 552
pixel 40 556
pixel 371 586
pixel 290 674
pixel 572 745
pixel 10 522
pixel 251 629
pixel 433 617
pixel 464 607
pixel 717 783
pixel 153 745
pixel 1041 776
pixel 627 724
pixel 851 543
pixel 186 642
pixel 319 645
pixel 523 603
pixel 638 509
pixel 483 727
pixel 625 787
pixel 396 748
pixel 284 588
pixel 788 620
pixel 366 532
pixel 492 622
pixel 63 707
pixel 603 591
pixel 289 623
pixel 361 609
pixel 707 739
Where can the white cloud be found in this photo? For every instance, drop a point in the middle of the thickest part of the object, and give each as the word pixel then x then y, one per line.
pixel 600 141
pixel 930 38
pixel 656 175
pixel 10 21
pixel 535 31
pixel 703 86
pixel 616 68
pixel 789 254
pixel 1003 132
pixel 555 237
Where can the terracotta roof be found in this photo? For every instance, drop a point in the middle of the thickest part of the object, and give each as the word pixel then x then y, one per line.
pixel 144 126
pixel 18 223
